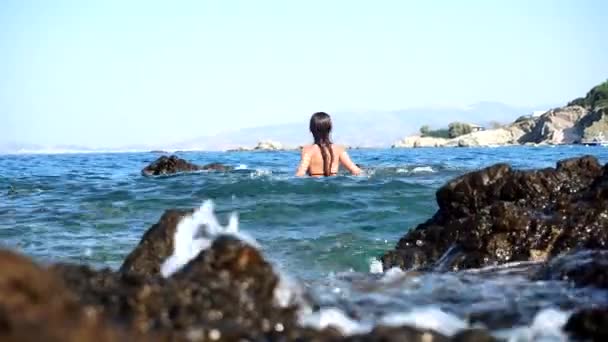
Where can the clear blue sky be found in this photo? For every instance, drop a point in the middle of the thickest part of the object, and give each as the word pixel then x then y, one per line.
pixel 110 73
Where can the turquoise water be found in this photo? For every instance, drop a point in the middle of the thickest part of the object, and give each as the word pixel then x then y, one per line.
pixel 93 208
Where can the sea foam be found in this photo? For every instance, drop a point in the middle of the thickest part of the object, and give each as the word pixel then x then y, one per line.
pixel 195 233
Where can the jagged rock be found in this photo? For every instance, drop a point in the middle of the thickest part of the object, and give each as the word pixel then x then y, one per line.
pixel 557 126
pixel 173 164
pixel 589 324
pixel 155 246
pixel 228 288
pixel 498 215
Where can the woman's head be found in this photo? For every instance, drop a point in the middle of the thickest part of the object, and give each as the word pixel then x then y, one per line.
pixel 320 127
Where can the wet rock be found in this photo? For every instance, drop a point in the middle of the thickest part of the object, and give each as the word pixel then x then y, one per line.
pixel 226 291
pixel 155 245
pixel 589 324
pixel 216 167
pixel 499 215
pixel 581 268
pixel 473 335
pixel 389 334
pixel 167 165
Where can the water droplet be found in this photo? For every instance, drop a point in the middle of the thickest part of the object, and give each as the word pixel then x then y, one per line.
pixel 279 327
pixel 215 334
pixel 419 243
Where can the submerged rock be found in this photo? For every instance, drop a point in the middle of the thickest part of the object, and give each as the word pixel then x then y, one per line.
pixel 173 164
pixel 168 165
pixel 589 325
pixel 499 215
pixel 581 268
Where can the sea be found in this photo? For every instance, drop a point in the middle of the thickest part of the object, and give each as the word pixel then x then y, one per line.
pixel 324 234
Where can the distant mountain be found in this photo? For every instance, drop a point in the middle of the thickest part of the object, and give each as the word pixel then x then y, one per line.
pixel 369 128
pixel 364 128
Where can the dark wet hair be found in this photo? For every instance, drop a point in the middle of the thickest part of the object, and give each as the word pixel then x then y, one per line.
pixel 320 127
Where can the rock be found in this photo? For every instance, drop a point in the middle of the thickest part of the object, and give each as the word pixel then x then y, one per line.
pixel 474 335
pixel 500 136
pixel 589 325
pixel 593 125
pixel 173 164
pixel 168 165
pixel 240 149
pixel 216 167
pixel 557 126
pixel 581 268
pixel 418 141
pixel 155 246
pixel 36 306
pixel 268 145
pixel 499 215
pixel 397 334
pixel 228 287
pixel 227 293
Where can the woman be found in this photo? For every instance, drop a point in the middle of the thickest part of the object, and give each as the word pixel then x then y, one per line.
pixel 323 158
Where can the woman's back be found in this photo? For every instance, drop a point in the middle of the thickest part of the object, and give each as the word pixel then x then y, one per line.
pixel 323 158
pixel 313 160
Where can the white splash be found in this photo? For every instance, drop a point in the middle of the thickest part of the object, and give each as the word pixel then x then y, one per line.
pixel 375 266
pixel 419 169
pixel 392 274
pixel 289 292
pixel 260 173
pixel 426 318
pixel 195 233
pixel 333 317
pixel 546 326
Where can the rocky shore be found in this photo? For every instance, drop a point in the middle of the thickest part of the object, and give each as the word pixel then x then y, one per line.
pixel 581 120
pixel 188 280
pixel 566 125
pixel 556 216
pixel 227 292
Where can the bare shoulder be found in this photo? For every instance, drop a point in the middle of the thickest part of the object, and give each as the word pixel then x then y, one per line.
pixel 339 148
pixel 306 149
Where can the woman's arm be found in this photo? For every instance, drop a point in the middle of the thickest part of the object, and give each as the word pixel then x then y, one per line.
pixel 348 163
pixel 304 163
